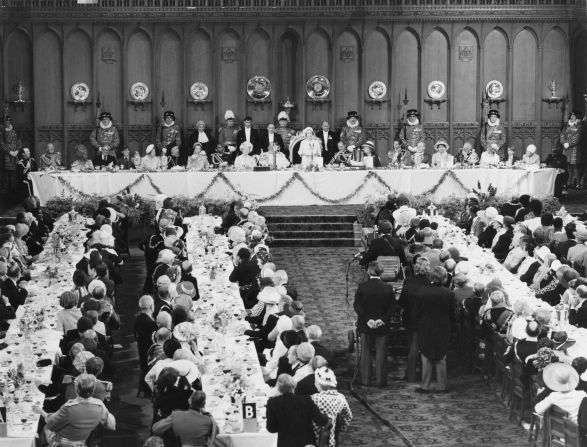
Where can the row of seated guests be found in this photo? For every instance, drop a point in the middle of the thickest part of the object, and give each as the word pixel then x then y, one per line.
pixel 81 377
pixel 79 385
pixel 172 364
pixel 20 245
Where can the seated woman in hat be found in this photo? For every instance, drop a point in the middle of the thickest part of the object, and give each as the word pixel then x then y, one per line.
pixel 467 156
pixel 370 157
pixel 198 161
pixel 82 162
pixel 562 379
pixel 245 161
pixel 531 159
pixel 490 158
pixel 150 162
pixel 441 158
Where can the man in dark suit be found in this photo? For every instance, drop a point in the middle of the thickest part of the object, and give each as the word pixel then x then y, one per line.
pixel 104 159
pixel 245 274
pixel 374 305
pixel 386 245
pixel 435 317
pixel 125 161
pixel 291 416
pixel 249 134
pixel 271 138
pixel 578 315
pixel 329 140
pixel 12 287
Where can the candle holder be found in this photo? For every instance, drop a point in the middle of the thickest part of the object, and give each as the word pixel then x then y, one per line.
pixel 553 87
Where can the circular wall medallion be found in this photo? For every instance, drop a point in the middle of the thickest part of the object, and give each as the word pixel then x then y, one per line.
pixel 494 89
pixel 258 87
pixel 139 91
pixel 377 90
pixel 318 87
pixel 80 91
pixel 436 89
pixel 199 91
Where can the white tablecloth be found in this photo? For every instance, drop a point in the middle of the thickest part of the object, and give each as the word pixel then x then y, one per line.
pixel 297 187
pixel 224 349
pixel 43 294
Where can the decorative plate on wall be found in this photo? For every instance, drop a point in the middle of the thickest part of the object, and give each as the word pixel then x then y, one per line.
pixel 258 87
pixel 377 90
pixel 139 91
pixel 436 89
pixel 318 87
pixel 199 91
pixel 494 89
pixel 80 91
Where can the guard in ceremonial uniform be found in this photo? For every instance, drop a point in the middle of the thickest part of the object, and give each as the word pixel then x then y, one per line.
pixel 25 165
pixel 352 134
pixel 11 146
pixel 283 130
pixel 105 135
pixel 169 133
pixel 570 138
pixel 412 133
pixel 227 135
pixel 493 132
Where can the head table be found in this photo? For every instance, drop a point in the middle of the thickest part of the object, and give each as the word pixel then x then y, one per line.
pixel 295 187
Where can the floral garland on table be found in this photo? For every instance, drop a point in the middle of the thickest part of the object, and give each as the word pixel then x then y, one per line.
pixel 443 177
pixel 126 188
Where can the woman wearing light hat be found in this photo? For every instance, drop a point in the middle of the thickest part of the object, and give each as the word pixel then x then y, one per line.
pixel 531 158
pixel 442 158
pixel 562 379
pixel 245 161
pixel 331 403
pixel 490 158
pixel 150 162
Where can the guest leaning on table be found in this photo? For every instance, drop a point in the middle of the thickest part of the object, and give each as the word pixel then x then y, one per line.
pixel 73 423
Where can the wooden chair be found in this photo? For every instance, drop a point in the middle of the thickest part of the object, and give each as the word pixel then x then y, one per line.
pixel 502 372
pixel 572 434
pixel 392 268
pixel 554 427
pixel 520 398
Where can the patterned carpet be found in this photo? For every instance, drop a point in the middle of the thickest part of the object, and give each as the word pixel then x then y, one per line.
pixel 467 416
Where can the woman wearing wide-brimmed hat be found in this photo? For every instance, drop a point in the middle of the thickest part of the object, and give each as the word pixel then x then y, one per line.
pixel 562 379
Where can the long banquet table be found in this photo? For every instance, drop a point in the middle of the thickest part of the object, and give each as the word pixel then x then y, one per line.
pixel 228 354
pixel 43 343
pixel 293 187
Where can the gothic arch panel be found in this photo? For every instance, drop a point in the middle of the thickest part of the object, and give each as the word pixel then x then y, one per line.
pixel 290 82
pixel 199 69
pixel 19 71
pixel 169 75
pixel 140 69
pixel 555 63
pixel 524 82
pixel 435 68
pixel 495 52
pixel 109 74
pixel 258 64
pixel 229 86
pixel 49 97
pixel 465 63
pixel 347 68
pixel 406 60
pixel 318 57
pixel 377 55
pixel 78 60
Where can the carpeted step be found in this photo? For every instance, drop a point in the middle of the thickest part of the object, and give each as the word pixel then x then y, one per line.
pixel 314 242
pixel 311 234
pixel 309 226
pixel 306 218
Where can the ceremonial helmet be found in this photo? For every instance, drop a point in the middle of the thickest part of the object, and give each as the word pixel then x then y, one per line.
pixel 282 116
pixel 352 114
pixel 228 115
pixel 169 114
pixel 493 112
pixel 413 113
pixel 105 115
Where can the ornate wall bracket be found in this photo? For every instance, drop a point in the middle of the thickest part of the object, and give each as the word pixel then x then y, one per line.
pixel 555 101
pixel 199 103
pixel 80 103
pixel 375 102
pixel 435 102
pixel 495 102
pixel 138 104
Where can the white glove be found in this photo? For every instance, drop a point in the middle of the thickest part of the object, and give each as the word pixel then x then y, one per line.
pixel 566 145
pixel 232 148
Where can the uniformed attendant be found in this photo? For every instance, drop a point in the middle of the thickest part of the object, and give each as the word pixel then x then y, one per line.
pixel 283 129
pixel 73 423
pixel 493 132
pixel 352 134
pixel 25 165
pixel 169 132
pixel 11 146
pixel 227 135
pixel 105 135
pixel 220 158
pixel 412 132
pixel 570 138
pixel 204 137
pixel 50 159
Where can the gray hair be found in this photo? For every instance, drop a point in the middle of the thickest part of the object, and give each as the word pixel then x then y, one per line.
pixel 84 385
pixel 285 384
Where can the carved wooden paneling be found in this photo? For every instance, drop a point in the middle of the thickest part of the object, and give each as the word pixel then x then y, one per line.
pixel 463 132
pixel 139 137
pixel 434 132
